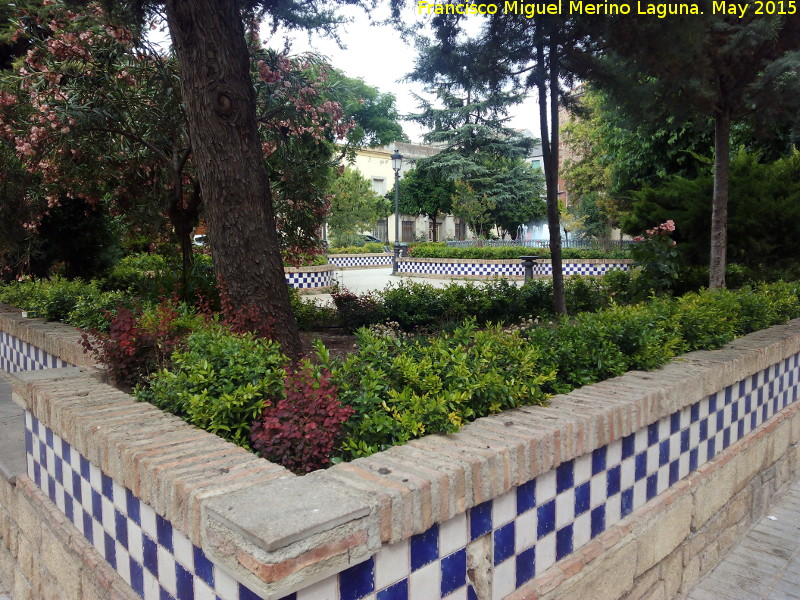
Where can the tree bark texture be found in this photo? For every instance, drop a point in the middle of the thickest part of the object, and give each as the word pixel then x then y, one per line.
pixel 719 203
pixel 550 156
pixel 208 37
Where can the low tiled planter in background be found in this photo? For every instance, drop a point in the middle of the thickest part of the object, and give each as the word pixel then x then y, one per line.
pixel 361 261
pixel 318 278
pixel 630 486
pixel 469 268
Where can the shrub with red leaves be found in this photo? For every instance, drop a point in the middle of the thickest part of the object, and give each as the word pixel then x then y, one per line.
pixel 300 431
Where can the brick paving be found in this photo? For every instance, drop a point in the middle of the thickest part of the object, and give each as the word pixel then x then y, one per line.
pixel 765 564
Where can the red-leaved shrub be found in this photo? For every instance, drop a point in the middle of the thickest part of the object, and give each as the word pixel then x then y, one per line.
pixel 299 431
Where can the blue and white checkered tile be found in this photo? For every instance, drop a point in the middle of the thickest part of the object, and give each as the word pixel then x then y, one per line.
pixel 547 519
pixel 360 261
pixel 529 528
pixel 309 280
pixel 16 356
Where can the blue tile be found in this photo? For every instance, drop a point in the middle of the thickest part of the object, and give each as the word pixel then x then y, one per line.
pixel 97 506
pixel 137 577
pixel 742 387
pixel 703 430
pixel 84 468
pixel 28 442
pixel 398 591
pixel 424 548
pixel 110 550
pixel 628 445
pixel 164 594
pixel 37 474
pixel 564 542
pixel 740 430
pixel 77 492
pixel 164 532
pixel 694 456
pixel 503 543
pixel 68 510
pixel 675 423
pixel 582 498
pixel 599 460
pixel 726 438
pixel 88 530
pixel 358 581
pixel 150 555
pixel 526 496
pixel 59 470
pixel 106 486
pixel 454 572
pixel 754 420
pixel 694 412
pixel 184 582
pixel 613 481
pixel 734 412
pixel 133 507
pixel 203 567
pixel 598 518
pixel 121 528
pixel 546 518
pixel 471 594
pixel 652 434
pixel 245 593
pixel 640 470
pixel 652 486
pixel 728 394
pixel 526 565
pixel 711 449
pixel 480 520
pixel 565 476
pixel 712 404
pixel 674 472
pixel 48 435
pixel 42 452
pixel 684 441
pixel 51 489
pixel 663 453
pixel 626 505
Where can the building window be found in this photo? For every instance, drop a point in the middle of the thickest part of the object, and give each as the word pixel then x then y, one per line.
pixel 379 185
pixel 408 231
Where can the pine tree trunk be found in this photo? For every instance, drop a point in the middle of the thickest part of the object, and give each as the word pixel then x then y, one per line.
pixel 550 160
pixel 208 37
pixel 719 206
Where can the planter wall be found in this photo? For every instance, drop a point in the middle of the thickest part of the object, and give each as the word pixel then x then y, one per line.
pixel 475 268
pixel 631 486
pixel 315 278
pixel 360 261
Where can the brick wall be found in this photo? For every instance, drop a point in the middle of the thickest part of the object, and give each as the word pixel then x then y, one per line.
pixel 629 488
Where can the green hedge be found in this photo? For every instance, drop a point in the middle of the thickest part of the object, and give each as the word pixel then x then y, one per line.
pixel 368 248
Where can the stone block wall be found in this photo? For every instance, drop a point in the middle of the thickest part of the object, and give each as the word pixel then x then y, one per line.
pixel 633 487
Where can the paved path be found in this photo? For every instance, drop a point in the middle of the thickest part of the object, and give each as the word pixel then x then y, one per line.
pixel 765 564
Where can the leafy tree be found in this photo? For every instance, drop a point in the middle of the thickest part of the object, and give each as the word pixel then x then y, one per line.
pixel 475 208
pixel 714 65
pixel 354 206
pixel 424 191
pixel 571 221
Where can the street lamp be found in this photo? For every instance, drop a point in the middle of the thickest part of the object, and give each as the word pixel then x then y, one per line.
pixel 397 163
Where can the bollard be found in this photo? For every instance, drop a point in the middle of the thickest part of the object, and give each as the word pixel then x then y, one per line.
pixel 528 262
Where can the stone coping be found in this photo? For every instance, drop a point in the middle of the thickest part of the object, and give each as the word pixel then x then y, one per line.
pixel 516 261
pixel 243 511
pixel 311 269
pixel 360 255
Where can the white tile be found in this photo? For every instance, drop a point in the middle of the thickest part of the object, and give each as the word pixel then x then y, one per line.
pixel 703 408
pixel 184 551
pixel 545 487
pixel 674 446
pixel 664 426
pixel 639 493
pixel 613 510
pixel 598 489
pixel 640 440
pixel 652 459
pixel 28 420
pixel 702 454
pixel 504 508
pixel 108 516
pixel 166 570
pixel 662 483
pixel 392 563
pixel 425 584
pixel 459 594
pixel 67 471
pixel 120 498
pixel 727 414
pixel 60 497
pixel 453 534
pixel 202 591
pixel 565 508
pixel 30 465
pixel 627 473
pixel 582 530
pixel 613 453
pixel 226 586
pixel 51 461
pixel 583 468
pixel 694 435
pixel 503 580
pixel 683 465
pixel 123 563
pixel 98 535
pixel 148 519
pixel 686 417
pixel 86 495
pixel 95 478
pixel 150 587
pixel 525 531
pixel 545 553
pixel 135 542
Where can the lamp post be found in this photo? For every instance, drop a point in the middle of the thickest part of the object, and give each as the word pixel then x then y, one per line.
pixel 397 163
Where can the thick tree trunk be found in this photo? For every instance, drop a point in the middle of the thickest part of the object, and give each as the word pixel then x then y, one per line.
pixel 550 158
pixel 719 203
pixel 208 37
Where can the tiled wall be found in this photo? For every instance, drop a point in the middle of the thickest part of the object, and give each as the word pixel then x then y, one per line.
pixel 527 529
pixel 478 269
pixel 16 355
pixel 365 260
pixel 308 280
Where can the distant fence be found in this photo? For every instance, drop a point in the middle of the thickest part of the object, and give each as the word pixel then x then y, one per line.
pixel 585 244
